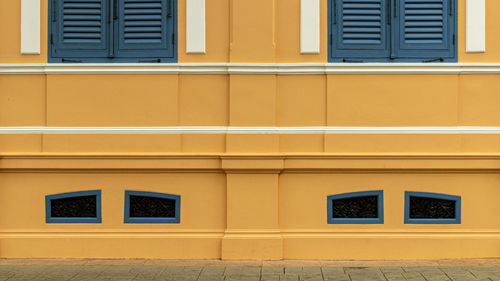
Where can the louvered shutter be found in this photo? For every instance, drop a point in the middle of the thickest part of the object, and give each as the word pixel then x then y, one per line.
pixel 360 29
pixel 79 29
pixel 145 29
pixel 426 29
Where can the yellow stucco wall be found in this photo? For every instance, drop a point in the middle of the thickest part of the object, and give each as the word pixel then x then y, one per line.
pixel 248 196
pixel 249 100
pixel 234 36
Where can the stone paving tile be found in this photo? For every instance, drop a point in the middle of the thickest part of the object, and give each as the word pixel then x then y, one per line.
pixel 250 272
pixel 210 277
pixel 134 272
pixel 271 277
pixel 213 270
pixel 293 270
pixel 273 270
pixel 338 278
pixel 291 277
pixel 310 277
pixel 242 278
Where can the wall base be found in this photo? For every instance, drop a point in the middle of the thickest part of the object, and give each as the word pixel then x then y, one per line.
pixel 252 247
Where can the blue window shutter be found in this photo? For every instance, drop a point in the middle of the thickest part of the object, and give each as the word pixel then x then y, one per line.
pixel 145 29
pixel 426 29
pixel 79 29
pixel 360 29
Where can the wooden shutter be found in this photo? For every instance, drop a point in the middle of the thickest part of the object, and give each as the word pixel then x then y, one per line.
pixel 426 29
pixel 79 29
pixel 145 29
pixel 360 29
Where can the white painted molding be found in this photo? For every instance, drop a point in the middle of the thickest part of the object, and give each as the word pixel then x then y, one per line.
pixel 195 26
pixel 30 27
pixel 309 27
pixel 476 26
pixel 252 68
pixel 250 130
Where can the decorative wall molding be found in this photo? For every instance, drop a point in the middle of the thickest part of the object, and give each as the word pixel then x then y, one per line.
pixel 309 26
pixel 476 26
pixel 260 163
pixel 252 130
pixel 252 68
pixel 30 27
pixel 195 26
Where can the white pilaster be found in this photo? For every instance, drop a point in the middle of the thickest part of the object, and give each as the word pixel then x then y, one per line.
pixel 195 26
pixel 30 27
pixel 476 26
pixel 309 26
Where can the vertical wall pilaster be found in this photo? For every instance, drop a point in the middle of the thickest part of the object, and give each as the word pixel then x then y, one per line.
pixel 195 26
pixel 309 26
pixel 30 27
pixel 476 26
pixel 252 209
pixel 252 31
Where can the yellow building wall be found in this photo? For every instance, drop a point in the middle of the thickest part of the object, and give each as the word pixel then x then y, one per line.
pixel 26 234
pixel 233 34
pixel 249 100
pixel 248 196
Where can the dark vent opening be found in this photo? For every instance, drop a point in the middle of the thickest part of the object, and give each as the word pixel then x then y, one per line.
pixel 74 207
pixel 355 207
pixel 151 207
pixel 431 208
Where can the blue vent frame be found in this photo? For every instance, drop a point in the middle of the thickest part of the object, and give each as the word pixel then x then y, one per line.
pixel 141 56
pixel 458 208
pixel 49 198
pixel 128 219
pixel 367 56
pixel 380 205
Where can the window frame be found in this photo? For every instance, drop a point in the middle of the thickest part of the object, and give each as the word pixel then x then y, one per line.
pixel 392 38
pixel 48 205
pixel 56 59
pixel 128 219
pixel 380 205
pixel 456 198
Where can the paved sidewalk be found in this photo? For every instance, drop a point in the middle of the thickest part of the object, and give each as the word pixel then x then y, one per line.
pixel 141 270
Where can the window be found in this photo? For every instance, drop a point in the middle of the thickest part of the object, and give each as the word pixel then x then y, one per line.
pixel 356 208
pixel 431 208
pixel 112 30
pixel 151 207
pixel 73 207
pixel 393 30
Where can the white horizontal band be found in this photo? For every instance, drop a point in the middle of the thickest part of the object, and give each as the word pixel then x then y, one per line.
pixel 252 68
pixel 250 130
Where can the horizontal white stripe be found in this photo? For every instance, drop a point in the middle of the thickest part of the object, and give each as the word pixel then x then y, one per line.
pixel 249 130
pixel 252 68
